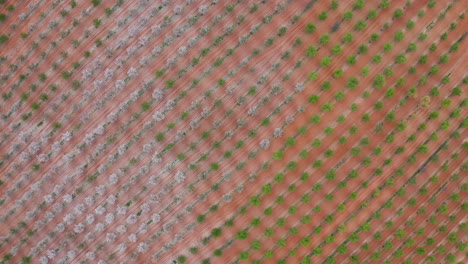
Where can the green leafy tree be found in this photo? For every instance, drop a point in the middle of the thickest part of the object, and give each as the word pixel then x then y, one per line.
pixel 326 61
pixel 324 39
pixel 379 81
pixel 311 51
pixel 310 28
pixel 348 15
pixel 399 36
pixel 323 16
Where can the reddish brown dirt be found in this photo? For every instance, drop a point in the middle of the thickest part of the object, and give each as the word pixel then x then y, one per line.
pixel 261 63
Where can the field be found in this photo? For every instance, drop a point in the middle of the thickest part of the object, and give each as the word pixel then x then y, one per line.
pixel 248 131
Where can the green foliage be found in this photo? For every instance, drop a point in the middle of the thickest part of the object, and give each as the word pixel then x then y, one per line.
pixel 373 13
pixel 242 235
pixel 337 49
pixel 323 16
pixel 351 59
pixel 348 38
pixel 324 39
pixel 360 25
pixel 310 28
pixel 3 38
pixel 348 15
pixel 379 81
pixel 399 36
pixel 95 2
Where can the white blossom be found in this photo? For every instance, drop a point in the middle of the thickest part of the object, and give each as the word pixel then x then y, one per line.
pixel 133 31
pixel 155 29
pixel 134 96
pixel 71 254
pixel 275 89
pixel 67 198
pixel 156 158
pixel 157 94
pixel 100 210
pixel 143 40
pixel 90 219
pixel 58 188
pixel 191 42
pixel 156 218
pixel 110 237
pixel 25 156
pixel 101 189
pixel 56 146
pixel 87 73
pixel 143 228
pixel 89 200
pixel 159 116
pixel 144 170
pixel 121 210
pixel 27 195
pixel 289 119
pixel 43 260
pixel 182 50
pixel 48 198
pixel 122 149
pixel 90 236
pixel 34 148
pixel 142 247
pixel 252 111
pixel 79 228
pixel 122 247
pixel 205 112
pixel 109 218
pixel 35 186
pixel 145 207
pixel 170 61
pixel 79 209
pixel 194 124
pixel 68 218
pixel 111 199
pixel 119 61
pixel 98 84
pixel 121 229
pixel 68 157
pixel 299 87
pixel 113 178
pixel 147 148
pixel 227 198
pixel 131 219
pixel 89 138
pixel 102 168
pixel 179 177
pixel 14 250
pixel 202 9
pixel 145 60
pixel 132 238
pixel 277 132
pixel 99 130
pixel 178 9
pixel 90 255
pixel 132 72
pixel 119 84
pixel 265 143
pixel 99 227
pixel 51 254
pixel 154 180
pixel 45 137
pixel 156 51
pixel 109 73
